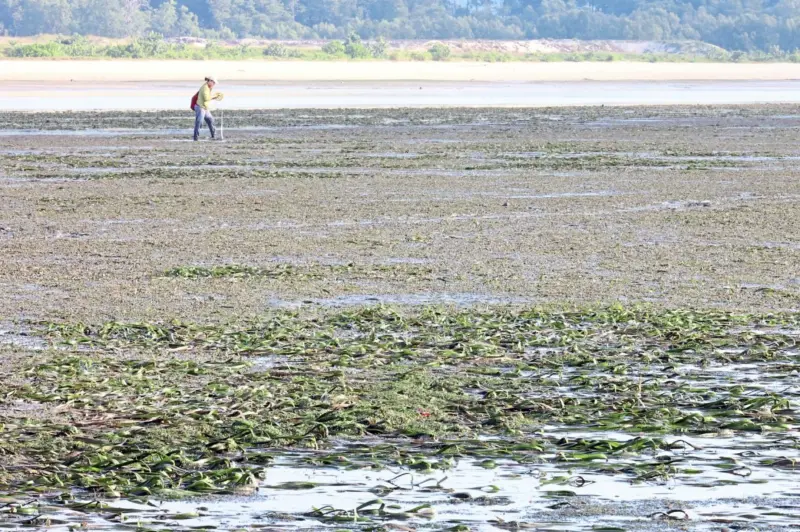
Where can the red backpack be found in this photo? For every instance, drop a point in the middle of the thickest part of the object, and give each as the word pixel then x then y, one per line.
pixel 194 100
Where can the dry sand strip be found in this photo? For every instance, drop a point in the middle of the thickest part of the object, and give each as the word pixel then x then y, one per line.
pixel 143 70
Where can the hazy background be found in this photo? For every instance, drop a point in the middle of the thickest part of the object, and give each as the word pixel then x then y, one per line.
pixel 744 25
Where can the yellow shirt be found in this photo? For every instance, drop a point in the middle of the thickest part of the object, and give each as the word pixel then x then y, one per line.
pixel 204 98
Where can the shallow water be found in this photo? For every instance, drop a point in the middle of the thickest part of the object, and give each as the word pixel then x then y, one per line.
pixel 471 493
pixel 11 335
pixel 455 299
pixel 20 340
pixel 32 97
pixel 559 476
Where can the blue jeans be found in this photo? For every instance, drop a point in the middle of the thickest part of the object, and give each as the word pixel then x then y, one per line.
pixel 201 114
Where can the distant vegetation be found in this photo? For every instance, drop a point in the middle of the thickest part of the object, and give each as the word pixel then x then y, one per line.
pixel 154 46
pixel 766 26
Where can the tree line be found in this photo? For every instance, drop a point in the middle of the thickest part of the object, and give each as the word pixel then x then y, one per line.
pixel 748 25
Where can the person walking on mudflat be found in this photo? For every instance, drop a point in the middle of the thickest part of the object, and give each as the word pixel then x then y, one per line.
pixel 202 107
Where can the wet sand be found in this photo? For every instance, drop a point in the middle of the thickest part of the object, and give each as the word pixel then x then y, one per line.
pixel 49 96
pixel 66 71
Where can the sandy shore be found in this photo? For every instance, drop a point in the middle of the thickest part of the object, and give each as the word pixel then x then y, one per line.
pixel 121 71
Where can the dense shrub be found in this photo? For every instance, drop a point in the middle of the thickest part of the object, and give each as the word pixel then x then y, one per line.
pixel 334 48
pixel 439 52
pixel 276 50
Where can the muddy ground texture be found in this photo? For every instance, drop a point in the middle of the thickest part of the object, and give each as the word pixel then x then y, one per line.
pixel 457 320
pixel 678 207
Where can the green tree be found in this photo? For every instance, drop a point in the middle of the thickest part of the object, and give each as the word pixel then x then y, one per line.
pixel 201 9
pixel 354 48
pixel 45 16
pixel 334 48
pixel 378 47
pixel 188 23
pixel 165 18
pixel 439 52
pixel 748 25
pixel 112 18
pixel 384 9
pixel 246 18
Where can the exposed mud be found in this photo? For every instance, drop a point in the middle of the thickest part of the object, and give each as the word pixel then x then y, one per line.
pixel 676 206
pixel 135 393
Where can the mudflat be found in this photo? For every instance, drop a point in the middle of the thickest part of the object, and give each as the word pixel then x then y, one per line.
pixel 445 319
pixel 677 207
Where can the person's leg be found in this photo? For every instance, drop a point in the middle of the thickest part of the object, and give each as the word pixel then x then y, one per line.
pixel 198 121
pixel 210 122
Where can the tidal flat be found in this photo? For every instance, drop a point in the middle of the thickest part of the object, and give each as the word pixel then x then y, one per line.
pixel 410 319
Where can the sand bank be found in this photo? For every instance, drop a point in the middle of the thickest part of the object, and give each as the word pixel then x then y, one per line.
pixel 164 95
pixel 145 70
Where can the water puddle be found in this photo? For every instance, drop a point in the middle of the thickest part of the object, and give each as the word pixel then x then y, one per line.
pixel 392 155
pixel 15 337
pixel 127 132
pixel 407 260
pixel 455 299
pixel 99 170
pixel 794 246
pixel 555 195
pixel 18 181
pixel 92 132
pixel 624 431
pixel 269 362
pixel 722 482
